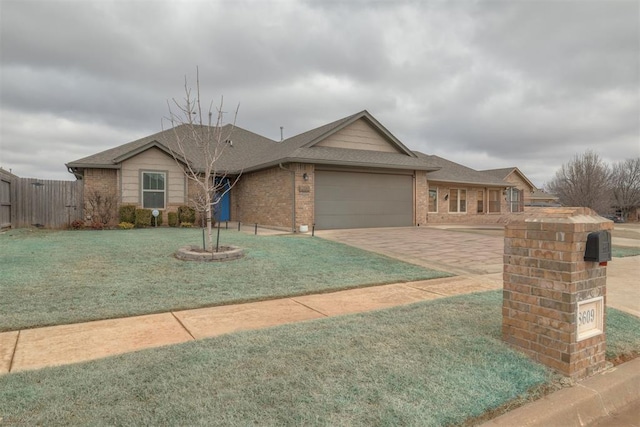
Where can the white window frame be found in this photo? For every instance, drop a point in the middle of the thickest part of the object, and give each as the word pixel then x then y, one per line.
pixel 429 200
pixel 165 174
pixel 458 192
pixel 489 201
pixel 511 202
pixel 484 201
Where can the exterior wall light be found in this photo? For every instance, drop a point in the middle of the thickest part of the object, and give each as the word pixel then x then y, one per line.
pixel 305 176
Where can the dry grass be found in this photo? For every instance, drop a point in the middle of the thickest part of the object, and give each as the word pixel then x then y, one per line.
pixel 50 278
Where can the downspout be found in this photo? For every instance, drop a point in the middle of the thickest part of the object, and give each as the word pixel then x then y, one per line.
pixel 293 192
pixel 74 172
pixel 415 199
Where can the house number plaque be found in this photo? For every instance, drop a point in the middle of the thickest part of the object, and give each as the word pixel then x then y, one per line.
pixel 590 318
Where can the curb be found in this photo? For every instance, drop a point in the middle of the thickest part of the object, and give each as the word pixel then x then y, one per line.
pixel 590 400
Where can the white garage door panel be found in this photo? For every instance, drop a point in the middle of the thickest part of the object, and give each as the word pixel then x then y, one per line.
pixel 354 200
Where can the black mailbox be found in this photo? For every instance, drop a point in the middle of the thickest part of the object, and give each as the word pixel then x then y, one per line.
pixel 598 247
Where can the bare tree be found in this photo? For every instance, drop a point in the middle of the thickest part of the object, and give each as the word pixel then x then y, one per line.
pixel 584 181
pixel 201 138
pixel 625 182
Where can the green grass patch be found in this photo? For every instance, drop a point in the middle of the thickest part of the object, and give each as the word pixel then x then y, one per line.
pixel 428 364
pixel 622 251
pixel 432 363
pixel 623 334
pixel 57 277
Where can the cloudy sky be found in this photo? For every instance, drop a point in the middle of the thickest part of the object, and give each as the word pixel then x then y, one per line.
pixel 488 84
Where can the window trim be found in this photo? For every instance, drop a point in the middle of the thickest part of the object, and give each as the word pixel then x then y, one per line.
pixel 429 200
pixel 164 191
pixel 489 201
pixel 458 211
pixel 484 206
pixel 519 203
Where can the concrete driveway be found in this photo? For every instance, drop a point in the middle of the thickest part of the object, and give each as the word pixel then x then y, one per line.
pixel 460 251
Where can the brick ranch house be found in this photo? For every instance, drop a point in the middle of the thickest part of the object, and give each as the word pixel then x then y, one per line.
pixel 350 173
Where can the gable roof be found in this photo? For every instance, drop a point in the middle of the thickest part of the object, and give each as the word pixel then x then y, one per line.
pixel 250 151
pixel 244 145
pixel 541 194
pixel 302 148
pixel 505 172
pixel 314 136
pixel 459 174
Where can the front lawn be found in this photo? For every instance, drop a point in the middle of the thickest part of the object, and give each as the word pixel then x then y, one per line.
pixel 57 277
pixel 432 363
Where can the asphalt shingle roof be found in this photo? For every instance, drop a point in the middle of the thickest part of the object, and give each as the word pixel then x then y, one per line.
pixel 454 172
pixel 250 151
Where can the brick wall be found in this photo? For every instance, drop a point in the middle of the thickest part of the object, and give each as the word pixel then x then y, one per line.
pixel 471 216
pixel 545 277
pixel 264 197
pixel 421 198
pixel 305 194
pixel 105 183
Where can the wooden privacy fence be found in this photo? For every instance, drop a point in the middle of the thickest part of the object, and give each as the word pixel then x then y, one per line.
pixel 41 203
pixel 5 200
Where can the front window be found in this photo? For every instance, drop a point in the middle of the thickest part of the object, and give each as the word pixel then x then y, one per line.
pixel 153 190
pixel 480 201
pixel 457 200
pixel 515 200
pixel 494 201
pixel 433 200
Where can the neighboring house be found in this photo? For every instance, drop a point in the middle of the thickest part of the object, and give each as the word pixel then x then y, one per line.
pixel 461 194
pixel 519 195
pixel 541 198
pixel 346 174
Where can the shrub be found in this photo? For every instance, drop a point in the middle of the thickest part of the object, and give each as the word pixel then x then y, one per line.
pixel 128 213
pixel 186 214
pixel 186 225
pixel 125 226
pixel 143 218
pixel 78 224
pixel 173 219
pixel 97 225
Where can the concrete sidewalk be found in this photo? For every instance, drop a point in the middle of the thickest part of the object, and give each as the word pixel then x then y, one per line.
pixel 65 344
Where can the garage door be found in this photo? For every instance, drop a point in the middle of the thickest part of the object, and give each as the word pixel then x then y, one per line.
pixel 358 200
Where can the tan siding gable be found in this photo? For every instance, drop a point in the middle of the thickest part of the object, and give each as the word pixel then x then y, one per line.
pixel 359 135
pixel 152 160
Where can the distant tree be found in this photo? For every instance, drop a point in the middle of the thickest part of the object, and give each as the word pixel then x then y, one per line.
pixel 625 182
pixel 584 181
pixel 201 138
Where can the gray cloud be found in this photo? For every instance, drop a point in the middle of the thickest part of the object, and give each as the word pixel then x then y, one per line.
pixel 486 84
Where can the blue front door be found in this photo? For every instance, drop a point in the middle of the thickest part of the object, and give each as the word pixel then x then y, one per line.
pixel 222 211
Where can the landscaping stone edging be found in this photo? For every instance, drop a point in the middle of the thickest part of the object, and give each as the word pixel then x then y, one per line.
pixel 195 253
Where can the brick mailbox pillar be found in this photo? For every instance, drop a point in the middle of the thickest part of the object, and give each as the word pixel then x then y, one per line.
pixel 553 306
